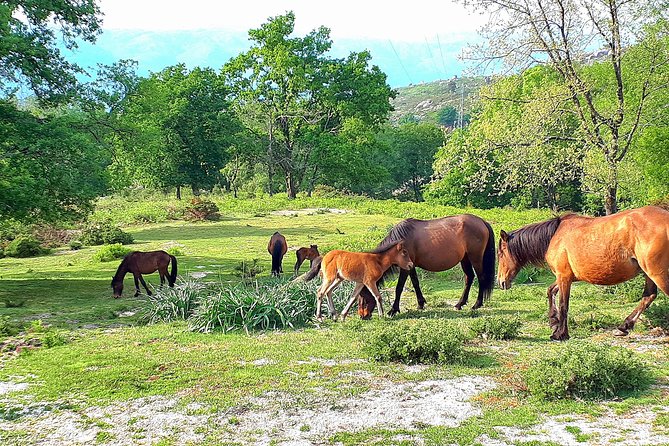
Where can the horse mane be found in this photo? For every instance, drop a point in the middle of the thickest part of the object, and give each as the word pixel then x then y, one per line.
pixel 530 243
pixel 124 263
pixel 397 234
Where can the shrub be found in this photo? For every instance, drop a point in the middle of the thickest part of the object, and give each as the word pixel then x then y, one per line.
pixel 248 270
pixel 169 304
pixel 496 327
pixel 104 233
pixel 75 245
pixel 419 341
pixel 581 369
pixel 658 314
pixel 108 253
pixel 24 246
pixel 8 327
pixel 201 209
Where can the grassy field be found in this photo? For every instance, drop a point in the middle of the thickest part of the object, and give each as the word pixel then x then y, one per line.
pixel 109 358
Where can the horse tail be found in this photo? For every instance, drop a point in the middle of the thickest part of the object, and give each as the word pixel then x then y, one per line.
pixel 487 277
pixel 277 255
pixel 173 273
pixel 313 272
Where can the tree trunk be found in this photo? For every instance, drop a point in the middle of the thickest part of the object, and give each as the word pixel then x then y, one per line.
pixel 178 192
pixel 270 177
pixel 611 200
pixel 290 185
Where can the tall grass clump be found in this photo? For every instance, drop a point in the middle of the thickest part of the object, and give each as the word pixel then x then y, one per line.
pixel 582 369
pixel 178 303
pixel 418 341
pixel 658 314
pixel 259 306
pixel 496 327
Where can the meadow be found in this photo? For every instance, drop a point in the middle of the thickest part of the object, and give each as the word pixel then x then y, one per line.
pixel 102 375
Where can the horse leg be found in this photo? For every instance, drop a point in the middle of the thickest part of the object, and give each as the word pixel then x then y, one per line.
pixel 561 333
pixel 416 287
pixel 377 296
pixel 552 311
pixel 319 298
pixel 648 296
pixel 326 290
pixel 163 273
pixel 401 280
pixel 298 264
pixel 354 296
pixel 141 279
pixel 136 276
pixel 469 278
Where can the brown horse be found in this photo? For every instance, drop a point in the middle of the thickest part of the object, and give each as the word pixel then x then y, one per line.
pixel 363 268
pixel 600 250
pixel 139 263
pixel 277 248
pixel 303 254
pixel 439 245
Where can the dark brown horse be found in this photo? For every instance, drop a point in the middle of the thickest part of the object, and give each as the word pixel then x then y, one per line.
pixel 602 250
pixel 303 254
pixel 439 245
pixel 363 268
pixel 139 263
pixel 277 248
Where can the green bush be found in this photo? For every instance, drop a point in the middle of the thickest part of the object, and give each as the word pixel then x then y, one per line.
pixel 658 314
pixel 418 341
pixel 75 245
pixel 108 253
pixel 24 246
pixel 8 327
pixel 201 209
pixel 248 270
pixel 496 327
pixel 581 369
pixel 104 233
pixel 178 303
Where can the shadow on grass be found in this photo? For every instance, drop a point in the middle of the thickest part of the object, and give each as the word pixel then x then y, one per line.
pixel 219 231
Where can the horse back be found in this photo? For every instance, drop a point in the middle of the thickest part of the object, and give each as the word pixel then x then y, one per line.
pixel 353 266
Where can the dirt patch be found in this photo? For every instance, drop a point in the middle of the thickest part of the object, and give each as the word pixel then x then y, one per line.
pixel 308 211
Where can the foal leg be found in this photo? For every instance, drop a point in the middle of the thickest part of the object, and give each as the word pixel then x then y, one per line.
pixel 469 278
pixel 648 296
pixel 354 296
pixel 561 333
pixel 401 280
pixel 552 311
pixel 416 287
pixel 377 296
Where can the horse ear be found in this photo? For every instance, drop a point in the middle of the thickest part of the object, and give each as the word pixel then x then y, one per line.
pixel 503 235
pixel 400 246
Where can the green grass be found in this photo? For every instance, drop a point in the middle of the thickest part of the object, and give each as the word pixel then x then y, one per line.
pixel 112 358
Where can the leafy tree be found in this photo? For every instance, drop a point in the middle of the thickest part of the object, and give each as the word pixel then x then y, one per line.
pixel 28 44
pixel 447 116
pixel 297 93
pixel 562 33
pixel 50 169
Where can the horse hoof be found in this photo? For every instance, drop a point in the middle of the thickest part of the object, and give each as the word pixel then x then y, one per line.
pixel 620 332
pixel 458 307
pixel 391 313
pixel 559 338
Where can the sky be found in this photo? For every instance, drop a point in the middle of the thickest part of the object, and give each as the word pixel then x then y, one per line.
pixel 417 41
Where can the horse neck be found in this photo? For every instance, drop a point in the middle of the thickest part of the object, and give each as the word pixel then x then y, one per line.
pixel 121 271
pixel 386 259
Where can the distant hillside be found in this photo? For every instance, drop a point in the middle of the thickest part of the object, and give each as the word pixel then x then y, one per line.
pixel 424 101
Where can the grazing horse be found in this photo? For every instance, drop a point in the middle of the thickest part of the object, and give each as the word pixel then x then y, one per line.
pixel 363 268
pixel 139 263
pixel 600 250
pixel 310 253
pixel 439 245
pixel 277 248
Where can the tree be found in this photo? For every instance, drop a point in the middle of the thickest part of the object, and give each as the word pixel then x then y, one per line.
pixel 180 127
pixel 562 33
pixel 447 116
pixel 28 44
pixel 298 93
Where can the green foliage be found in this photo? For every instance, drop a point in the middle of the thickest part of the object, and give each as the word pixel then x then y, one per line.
pixel 248 270
pixel 104 232
pixel 582 369
pixel 108 253
pixel 262 306
pixel 447 116
pixel 24 246
pixel 75 245
pixel 418 341
pixel 178 303
pixel 658 313
pixel 496 327
pixel 8 327
pixel 201 209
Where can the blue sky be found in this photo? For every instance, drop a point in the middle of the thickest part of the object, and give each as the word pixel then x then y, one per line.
pixel 413 45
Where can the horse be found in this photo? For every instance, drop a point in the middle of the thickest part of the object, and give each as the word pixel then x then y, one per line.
pixel 310 253
pixel 277 248
pixel 600 250
pixel 363 268
pixel 439 245
pixel 139 263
